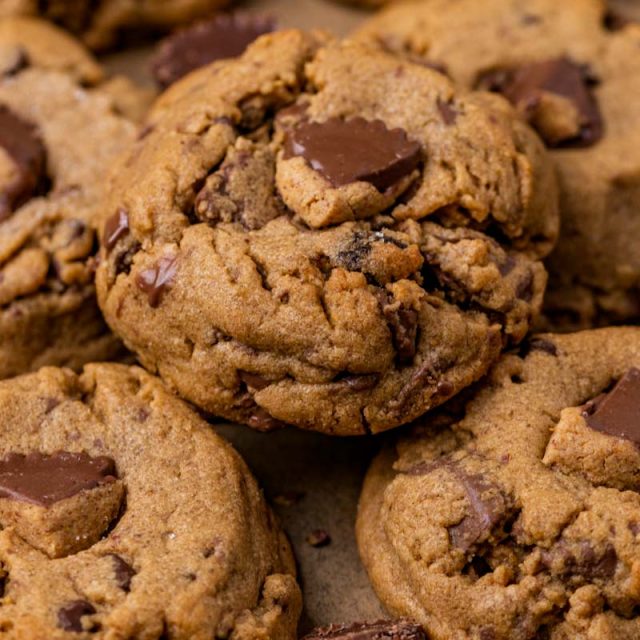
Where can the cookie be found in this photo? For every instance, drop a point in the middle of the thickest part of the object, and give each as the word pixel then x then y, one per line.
pixel 575 75
pixel 271 278
pixel 515 513
pixel 124 515
pixel 99 24
pixel 380 630
pixel 225 35
pixel 57 141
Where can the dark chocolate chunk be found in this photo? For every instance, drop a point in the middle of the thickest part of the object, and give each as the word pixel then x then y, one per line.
pixel 262 421
pixel 319 538
pixel 45 479
pixel 123 571
pixel 253 380
pixel 380 630
pixel 447 111
pixel 20 141
pixel 617 413
pixel 157 279
pixel 346 151
pixel 115 228
pixel 223 36
pixel 524 87
pixel 70 616
pixel 581 559
pixel 538 344
pixel 403 323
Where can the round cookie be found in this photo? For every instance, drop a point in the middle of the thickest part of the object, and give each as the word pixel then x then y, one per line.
pixel 100 23
pixel 515 512
pixel 57 141
pixel 345 298
pixel 574 72
pixel 124 515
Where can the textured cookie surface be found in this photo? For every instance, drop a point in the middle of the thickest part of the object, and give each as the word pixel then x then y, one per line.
pixel 516 513
pixel 99 23
pixel 573 71
pixel 124 516
pixel 338 245
pixel 57 141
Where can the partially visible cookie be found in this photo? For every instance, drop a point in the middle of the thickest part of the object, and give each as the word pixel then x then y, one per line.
pixel 325 235
pixel 574 73
pixel 124 515
pixel 515 512
pixel 57 142
pixel 100 23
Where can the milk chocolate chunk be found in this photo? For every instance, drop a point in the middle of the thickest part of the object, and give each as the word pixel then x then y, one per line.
pixel 115 228
pixel 380 630
pixel 617 413
pixel 346 151
pixel 223 36
pixel 70 616
pixel 525 87
pixel 20 142
pixel 46 479
pixel 156 280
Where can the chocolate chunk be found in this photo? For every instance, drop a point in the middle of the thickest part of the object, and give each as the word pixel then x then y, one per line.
pixel 157 279
pixel 70 616
pixel 346 151
pixel 538 344
pixel 262 421
pixel 380 630
pixel 115 227
pixel 447 111
pixel 319 538
pixel 253 380
pixel 613 21
pixel 525 86
pixel 223 36
pixel 581 559
pixel 487 509
pixel 403 323
pixel 123 571
pixel 21 143
pixel 617 413
pixel 45 479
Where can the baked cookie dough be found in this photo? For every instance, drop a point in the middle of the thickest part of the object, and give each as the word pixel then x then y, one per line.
pixel 574 73
pixel 325 235
pixel 124 516
pixel 515 513
pixel 624 10
pixel 57 141
pixel 100 23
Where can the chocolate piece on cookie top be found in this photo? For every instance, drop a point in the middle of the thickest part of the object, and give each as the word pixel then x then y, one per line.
pixel 223 36
pixel 354 150
pixel 617 413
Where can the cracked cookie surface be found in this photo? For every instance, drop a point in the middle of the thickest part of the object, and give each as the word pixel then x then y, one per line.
pixel 124 515
pixel 57 141
pixel 573 70
pixel 515 512
pixel 324 235
pixel 99 24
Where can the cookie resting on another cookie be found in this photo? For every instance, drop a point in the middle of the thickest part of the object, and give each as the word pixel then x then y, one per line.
pixel 325 235
pixel 124 516
pixel 57 142
pixel 100 23
pixel 573 70
pixel 515 511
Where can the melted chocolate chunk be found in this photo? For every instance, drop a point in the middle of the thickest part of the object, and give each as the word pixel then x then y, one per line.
pixel 70 616
pixel 447 111
pixel 115 228
pixel 538 344
pixel 123 571
pixel 403 323
pixel 524 87
pixel 581 560
pixel 253 380
pixel 346 151
pixel 262 421
pixel 46 479
pixel 617 413
pixel 380 630
pixel 223 36
pixel 157 279
pixel 21 143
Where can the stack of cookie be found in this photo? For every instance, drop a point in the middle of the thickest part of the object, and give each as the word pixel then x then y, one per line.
pixel 347 236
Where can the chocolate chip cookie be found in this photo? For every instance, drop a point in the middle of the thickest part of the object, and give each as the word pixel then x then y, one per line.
pixel 99 23
pixel 574 74
pixel 57 141
pixel 124 515
pixel 515 512
pixel 325 235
